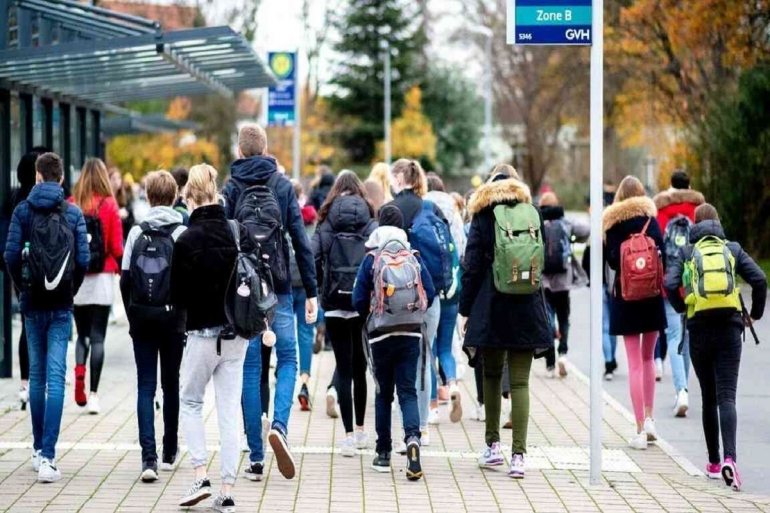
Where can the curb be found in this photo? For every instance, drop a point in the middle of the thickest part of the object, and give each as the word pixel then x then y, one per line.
pixel 667 448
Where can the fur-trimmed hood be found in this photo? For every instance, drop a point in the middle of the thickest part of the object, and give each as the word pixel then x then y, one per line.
pixel 676 196
pixel 495 193
pixel 627 209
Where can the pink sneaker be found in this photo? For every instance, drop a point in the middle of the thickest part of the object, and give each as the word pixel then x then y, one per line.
pixel 731 475
pixel 714 470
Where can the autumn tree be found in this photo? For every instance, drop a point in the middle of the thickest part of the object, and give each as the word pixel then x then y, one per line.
pixel 411 134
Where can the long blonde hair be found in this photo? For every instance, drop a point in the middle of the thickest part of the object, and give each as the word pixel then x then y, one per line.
pixel 414 176
pixel 201 188
pixel 381 174
pixel 630 187
pixel 93 180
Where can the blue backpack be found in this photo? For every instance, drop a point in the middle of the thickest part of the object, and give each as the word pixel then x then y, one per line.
pixel 431 237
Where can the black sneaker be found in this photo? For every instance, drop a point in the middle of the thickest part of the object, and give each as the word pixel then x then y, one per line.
pixel 381 462
pixel 149 471
pixel 413 467
pixel 223 504
pixel 169 460
pixel 304 398
pixel 283 457
pixel 199 490
pixel 254 471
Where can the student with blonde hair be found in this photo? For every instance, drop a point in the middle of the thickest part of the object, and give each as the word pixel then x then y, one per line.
pixel 156 328
pixel 93 194
pixel 201 272
pixel 381 174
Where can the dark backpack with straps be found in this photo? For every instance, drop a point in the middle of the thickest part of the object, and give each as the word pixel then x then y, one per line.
pixel 150 301
pixel 259 211
pixel 430 235
pixel 250 302
pixel 558 249
pixel 51 256
pixel 346 253
pixel 95 231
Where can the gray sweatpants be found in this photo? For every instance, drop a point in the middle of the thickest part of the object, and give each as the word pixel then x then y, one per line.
pixel 199 365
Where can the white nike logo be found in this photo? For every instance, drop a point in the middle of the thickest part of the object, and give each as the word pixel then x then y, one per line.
pixel 51 285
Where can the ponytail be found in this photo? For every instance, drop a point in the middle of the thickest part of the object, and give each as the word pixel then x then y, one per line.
pixel 414 176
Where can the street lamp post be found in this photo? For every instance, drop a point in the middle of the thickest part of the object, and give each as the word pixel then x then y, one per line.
pixel 487 32
pixel 387 78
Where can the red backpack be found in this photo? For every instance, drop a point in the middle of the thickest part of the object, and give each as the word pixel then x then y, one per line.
pixel 641 268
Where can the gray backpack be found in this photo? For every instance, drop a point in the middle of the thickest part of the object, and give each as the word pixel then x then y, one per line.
pixel 399 301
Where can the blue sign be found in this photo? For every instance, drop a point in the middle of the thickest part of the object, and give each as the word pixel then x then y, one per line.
pixel 281 98
pixel 549 22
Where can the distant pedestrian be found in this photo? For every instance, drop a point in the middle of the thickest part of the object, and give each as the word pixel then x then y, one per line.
pixel 155 325
pixel 638 313
pixel 322 188
pixel 716 320
pixel 562 272
pixel 180 175
pixel 33 259
pixel 676 215
pixel 394 325
pixel 201 272
pixel 345 222
pixel 503 306
pixel 92 193
pixel 375 194
pixel 381 174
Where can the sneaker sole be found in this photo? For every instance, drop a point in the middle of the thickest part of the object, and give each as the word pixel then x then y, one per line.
pixel 714 475
pixel 226 509
pixel 282 455
pixel 48 479
pixel 729 477
pixel 562 372
pixel 148 476
pixel 331 407
pixel 199 496
pixel 253 477
pixel 304 403
pixel 652 438
pixel 681 411
pixel 167 467
pixel 516 475
pixel 456 415
pixel 382 470
pixel 492 464
pixel 413 466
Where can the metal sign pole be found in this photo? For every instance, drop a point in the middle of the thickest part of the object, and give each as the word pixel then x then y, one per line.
pixel 296 151
pixel 597 263
pixel 387 79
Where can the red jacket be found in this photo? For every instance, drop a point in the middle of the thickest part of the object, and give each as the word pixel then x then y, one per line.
pixel 676 202
pixel 112 228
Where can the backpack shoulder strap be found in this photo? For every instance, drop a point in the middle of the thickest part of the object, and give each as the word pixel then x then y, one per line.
pixel 236 231
pixel 646 226
pixel 145 227
pixel 63 207
pixel 273 180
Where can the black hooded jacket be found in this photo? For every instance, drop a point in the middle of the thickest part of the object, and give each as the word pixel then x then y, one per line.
pixel 745 266
pixel 319 194
pixel 347 214
pixel 258 170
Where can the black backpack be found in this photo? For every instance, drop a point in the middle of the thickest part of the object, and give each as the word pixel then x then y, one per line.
pixel 558 247
pixel 150 300
pixel 249 300
pixel 95 240
pixel 50 260
pixel 259 211
pixel 346 253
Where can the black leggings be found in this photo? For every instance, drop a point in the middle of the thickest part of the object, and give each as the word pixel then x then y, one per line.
pixel 716 358
pixel 264 388
pixel 91 322
pixel 348 344
pixel 560 304
pixel 23 351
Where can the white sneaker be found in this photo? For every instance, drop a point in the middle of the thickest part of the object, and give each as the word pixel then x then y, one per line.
pixel 362 439
pixel 562 367
pixel 401 448
pixel 456 412
pixel 331 403
pixel 433 416
pixel 481 413
pixel 424 438
pixel 649 428
pixel 36 460
pixel 24 394
pixel 658 369
pixel 682 404
pixel 491 457
pixel 348 447
pixel 48 472
pixel 550 373
pixel 639 441
pixel 245 443
pixel 93 405
pixel 608 376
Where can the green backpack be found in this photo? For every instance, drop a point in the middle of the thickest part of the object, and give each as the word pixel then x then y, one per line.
pixel 519 249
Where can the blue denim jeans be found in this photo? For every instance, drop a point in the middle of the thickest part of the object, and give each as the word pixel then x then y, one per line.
pixel 609 343
pixel 286 377
pixel 47 336
pixel 424 393
pixel 680 363
pixel 442 346
pixel 304 331
pixel 394 362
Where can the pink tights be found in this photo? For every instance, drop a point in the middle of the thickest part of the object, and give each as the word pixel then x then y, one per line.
pixel 640 352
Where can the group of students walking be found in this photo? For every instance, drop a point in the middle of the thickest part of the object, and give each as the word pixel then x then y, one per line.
pixel 397 282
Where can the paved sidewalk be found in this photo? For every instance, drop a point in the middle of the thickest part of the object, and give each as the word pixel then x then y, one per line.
pixel 100 460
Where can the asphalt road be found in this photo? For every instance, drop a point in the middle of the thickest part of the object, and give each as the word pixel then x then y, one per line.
pixel 686 435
